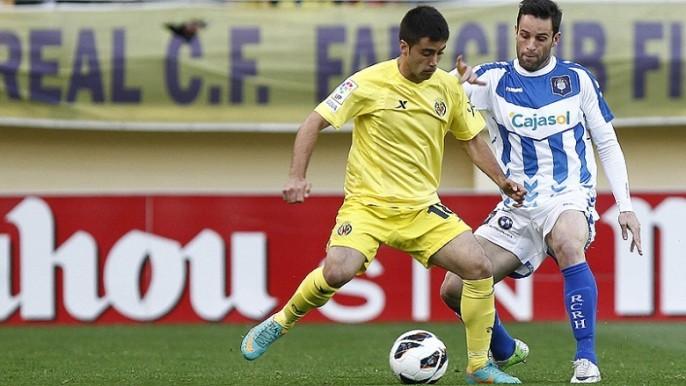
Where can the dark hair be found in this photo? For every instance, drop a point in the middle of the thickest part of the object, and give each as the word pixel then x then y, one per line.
pixel 542 9
pixel 423 21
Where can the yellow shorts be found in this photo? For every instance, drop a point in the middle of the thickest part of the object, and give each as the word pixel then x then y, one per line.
pixel 419 232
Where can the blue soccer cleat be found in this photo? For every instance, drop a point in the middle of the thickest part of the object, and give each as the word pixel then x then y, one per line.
pixel 258 339
pixel 519 355
pixel 490 374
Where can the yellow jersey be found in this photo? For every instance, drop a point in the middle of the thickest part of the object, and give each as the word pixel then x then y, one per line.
pixel 399 129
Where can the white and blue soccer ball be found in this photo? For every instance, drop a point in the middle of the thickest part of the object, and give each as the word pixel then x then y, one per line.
pixel 418 356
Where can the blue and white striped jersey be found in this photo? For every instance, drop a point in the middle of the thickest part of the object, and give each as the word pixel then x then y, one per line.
pixel 542 125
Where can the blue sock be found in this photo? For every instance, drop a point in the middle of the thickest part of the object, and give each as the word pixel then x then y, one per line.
pixel 581 298
pixel 502 344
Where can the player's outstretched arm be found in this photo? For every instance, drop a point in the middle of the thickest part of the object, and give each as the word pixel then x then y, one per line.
pixel 614 164
pixel 465 73
pixel 296 188
pixel 629 222
pixel 483 158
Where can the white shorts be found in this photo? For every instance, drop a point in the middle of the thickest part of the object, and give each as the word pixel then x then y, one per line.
pixel 522 231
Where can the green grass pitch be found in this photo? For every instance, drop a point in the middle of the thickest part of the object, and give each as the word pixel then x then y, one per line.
pixel 630 353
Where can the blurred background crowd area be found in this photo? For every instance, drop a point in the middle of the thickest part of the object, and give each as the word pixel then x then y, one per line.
pixel 268 3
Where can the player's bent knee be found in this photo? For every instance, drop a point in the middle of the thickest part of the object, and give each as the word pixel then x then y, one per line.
pixel 478 267
pixel 341 265
pixel 337 276
pixel 569 252
pixel 451 292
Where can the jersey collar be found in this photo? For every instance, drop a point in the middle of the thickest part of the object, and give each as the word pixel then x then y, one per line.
pixel 548 67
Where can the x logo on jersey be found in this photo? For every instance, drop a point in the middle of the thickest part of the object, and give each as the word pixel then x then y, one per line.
pixel 401 104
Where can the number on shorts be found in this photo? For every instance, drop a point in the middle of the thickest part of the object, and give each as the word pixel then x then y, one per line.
pixel 440 210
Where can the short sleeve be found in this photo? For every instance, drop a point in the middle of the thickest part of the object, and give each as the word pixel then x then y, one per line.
pixel 346 102
pixel 467 121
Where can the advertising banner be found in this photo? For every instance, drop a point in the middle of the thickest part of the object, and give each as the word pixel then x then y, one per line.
pixel 118 67
pixel 232 259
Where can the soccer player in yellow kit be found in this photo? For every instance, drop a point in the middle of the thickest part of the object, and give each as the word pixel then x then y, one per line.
pixel 402 110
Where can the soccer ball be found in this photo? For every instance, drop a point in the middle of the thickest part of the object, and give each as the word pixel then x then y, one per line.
pixel 418 356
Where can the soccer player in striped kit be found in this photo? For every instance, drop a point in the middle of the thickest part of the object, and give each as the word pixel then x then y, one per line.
pixel 544 116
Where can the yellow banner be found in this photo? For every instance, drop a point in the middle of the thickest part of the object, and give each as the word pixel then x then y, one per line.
pixel 242 64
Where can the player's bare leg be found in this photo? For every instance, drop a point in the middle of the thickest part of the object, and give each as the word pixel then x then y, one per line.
pixel 340 266
pixel 567 240
pixel 505 350
pixel 464 257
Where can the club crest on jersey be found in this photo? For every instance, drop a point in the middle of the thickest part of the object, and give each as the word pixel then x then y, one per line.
pixel 344 229
pixel 561 85
pixel 439 107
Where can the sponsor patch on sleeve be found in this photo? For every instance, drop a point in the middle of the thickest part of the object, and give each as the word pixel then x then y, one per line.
pixel 343 91
pixel 332 105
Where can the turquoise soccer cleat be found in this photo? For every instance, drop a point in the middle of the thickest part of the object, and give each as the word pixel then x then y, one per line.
pixel 490 374
pixel 519 355
pixel 260 337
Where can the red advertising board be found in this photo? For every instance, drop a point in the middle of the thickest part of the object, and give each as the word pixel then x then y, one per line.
pixel 170 259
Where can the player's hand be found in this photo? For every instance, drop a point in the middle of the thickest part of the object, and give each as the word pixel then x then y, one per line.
pixel 467 73
pixel 629 222
pixel 296 190
pixel 515 191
